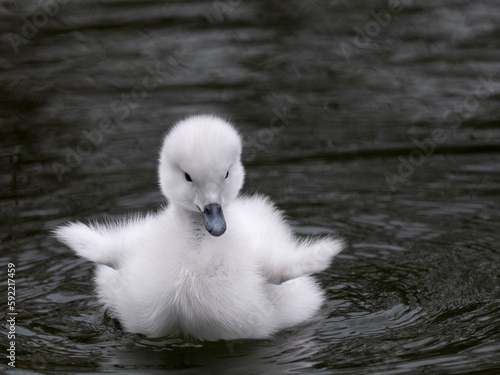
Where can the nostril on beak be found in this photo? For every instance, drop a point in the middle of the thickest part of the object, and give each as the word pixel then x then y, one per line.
pixel 211 209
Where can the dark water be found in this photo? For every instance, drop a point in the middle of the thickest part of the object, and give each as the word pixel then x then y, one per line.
pixel 377 121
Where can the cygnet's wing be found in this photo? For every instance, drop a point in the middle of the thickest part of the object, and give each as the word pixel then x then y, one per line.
pixel 88 242
pixel 281 255
pixel 99 243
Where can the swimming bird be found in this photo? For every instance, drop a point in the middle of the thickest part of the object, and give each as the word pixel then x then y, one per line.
pixel 213 264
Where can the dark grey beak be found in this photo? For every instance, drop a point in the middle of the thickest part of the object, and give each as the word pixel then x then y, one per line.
pixel 214 219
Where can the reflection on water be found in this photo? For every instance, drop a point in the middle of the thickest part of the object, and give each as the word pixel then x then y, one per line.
pixel 375 120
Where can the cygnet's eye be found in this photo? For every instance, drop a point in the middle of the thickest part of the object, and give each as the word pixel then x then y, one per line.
pixel 227 174
pixel 187 177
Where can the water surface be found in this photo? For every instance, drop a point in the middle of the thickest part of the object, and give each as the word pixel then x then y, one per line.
pixel 387 135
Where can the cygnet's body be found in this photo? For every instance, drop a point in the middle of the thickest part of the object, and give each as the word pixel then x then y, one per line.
pixel 212 265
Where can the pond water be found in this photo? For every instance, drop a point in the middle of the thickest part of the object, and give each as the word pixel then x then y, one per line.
pixel 378 121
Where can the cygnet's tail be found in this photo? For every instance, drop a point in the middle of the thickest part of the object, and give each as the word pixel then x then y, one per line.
pixel 89 242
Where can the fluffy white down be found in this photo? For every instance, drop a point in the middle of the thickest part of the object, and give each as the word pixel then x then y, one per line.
pixel 165 274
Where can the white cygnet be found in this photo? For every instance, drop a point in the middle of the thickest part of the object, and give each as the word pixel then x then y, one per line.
pixel 211 265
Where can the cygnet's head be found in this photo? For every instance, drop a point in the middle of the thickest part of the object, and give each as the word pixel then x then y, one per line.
pixel 200 168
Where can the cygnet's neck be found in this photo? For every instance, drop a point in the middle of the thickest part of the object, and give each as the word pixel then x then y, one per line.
pixel 192 220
